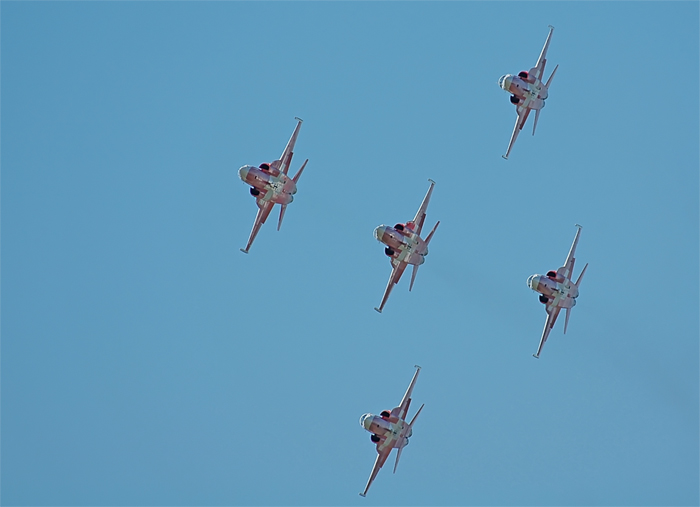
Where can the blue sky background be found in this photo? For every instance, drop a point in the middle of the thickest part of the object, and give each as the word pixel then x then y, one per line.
pixel 146 361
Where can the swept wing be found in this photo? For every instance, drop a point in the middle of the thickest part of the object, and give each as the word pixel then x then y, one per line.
pixel 400 412
pixel 378 464
pixel 568 268
pixel 523 113
pixel 552 314
pixel 263 213
pixel 286 159
pixel 399 268
pixel 538 70
pixel 419 219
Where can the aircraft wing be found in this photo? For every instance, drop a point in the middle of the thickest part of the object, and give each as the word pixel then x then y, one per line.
pixel 523 112
pixel 568 268
pixel 286 159
pixel 399 268
pixel 263 213
pixel 419 219
pixel 552 314
pixel 378 464
pixel 538 70
pixel 401 411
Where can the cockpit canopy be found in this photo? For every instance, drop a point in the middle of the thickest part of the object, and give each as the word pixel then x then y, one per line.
pixel 532 281
pixel 505 81
pixel 366 421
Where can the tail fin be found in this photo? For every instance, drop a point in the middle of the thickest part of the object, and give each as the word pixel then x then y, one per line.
pixel 549 81
pixel 581 275
pixel 413 276
pixel 430 236
pixel 284 208
pixel 537 117
pixel 398 456
pixel 416 416
pixel 410 425
pixel 298 174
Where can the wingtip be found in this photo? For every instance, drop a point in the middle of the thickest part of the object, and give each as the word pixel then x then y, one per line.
pixel 535 356
pixel 299 119
pixel 244 251
pixel 377 310
pixel 431 181
pixel 362 495
pixel 504 157
pixel 579 226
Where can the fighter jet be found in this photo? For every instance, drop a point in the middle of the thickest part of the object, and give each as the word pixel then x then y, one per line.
pixel 390 430
pixel 528 91
pixel 270 185
pixel 557 291
pixel 404 245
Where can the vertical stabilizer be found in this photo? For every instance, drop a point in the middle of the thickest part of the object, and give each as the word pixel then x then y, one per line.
pixel 581 275
pixel 413 276
pixel 298 174
pixel 284 208
pixel 537 117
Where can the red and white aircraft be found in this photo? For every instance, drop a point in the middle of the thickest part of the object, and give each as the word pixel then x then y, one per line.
pixel 528 92
pixel 390 430
pixel 404 245
pixel 557 291
pixel 270 185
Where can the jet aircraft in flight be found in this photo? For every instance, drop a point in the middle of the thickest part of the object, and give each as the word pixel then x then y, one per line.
pixel 390 430
pixel 557 291
pixel 528 92
pixel 404 245
pixel 270 185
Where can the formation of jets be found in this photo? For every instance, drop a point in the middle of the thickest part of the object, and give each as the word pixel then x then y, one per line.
pixel 270 185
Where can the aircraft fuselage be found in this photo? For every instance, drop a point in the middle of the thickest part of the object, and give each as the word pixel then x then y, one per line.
pixel 271 184
pixel 561 293
pixel 406 245
pixel 392 433
pixel 530 92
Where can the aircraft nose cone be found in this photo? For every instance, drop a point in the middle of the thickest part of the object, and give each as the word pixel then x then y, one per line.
pixel 533 281
pixel 243 172
pixel 379 232
pixel 366 421
pixel 504 81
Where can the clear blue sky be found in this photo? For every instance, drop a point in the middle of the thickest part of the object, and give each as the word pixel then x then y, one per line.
pixel 146 361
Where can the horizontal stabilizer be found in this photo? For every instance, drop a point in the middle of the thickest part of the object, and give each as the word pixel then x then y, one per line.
pixel 430 236
pixel 284 208
pixel 416 416
pixel 537 117
pixel 298 174
pixel 398 457
pixel 413 277
pixel 581 275
pixel 549 81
